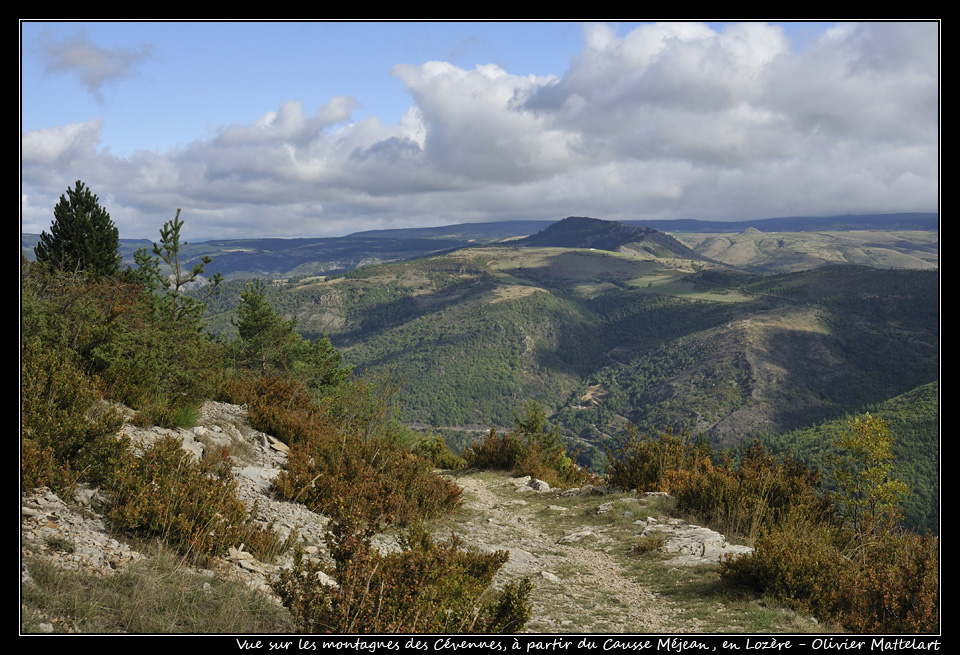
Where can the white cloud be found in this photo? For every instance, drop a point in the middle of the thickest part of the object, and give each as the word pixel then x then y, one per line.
pixel 476 127
pixel 63 143
pixel 666 121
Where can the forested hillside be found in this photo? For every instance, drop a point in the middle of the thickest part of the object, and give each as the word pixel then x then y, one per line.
pixel 914 419
pixel 605 338
pixel 612 344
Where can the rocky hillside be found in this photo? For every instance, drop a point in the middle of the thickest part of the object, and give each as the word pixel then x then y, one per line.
pixel 579 546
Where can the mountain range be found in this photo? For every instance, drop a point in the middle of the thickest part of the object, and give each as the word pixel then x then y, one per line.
pixel 733 336
pixel 608 324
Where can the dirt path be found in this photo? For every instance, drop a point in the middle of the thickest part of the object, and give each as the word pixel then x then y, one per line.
pixel 581 585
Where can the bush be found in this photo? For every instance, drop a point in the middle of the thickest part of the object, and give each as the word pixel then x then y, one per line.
pixel 112 332
pixel 501 453
pixel 897 589
pixel 66 432
pixel 345 448
pixel 529 450
pixel 657 462
pixel 434 449
pixel 891 588
pixel 191 505
pixel 751 498
pixel 426 587
pixel 798 562
pixel 650 543
pixel 852 565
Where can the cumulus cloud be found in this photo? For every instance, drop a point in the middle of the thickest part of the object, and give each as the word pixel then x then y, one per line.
pixel 666 121
pixel 93 65
pixel 477 127
pixel 60 145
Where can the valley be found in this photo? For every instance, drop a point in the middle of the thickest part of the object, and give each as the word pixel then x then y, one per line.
pixel 778 327
pixel 631 332
pixel 672 338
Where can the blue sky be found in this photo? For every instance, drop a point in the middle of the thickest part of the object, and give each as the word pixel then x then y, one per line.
pixel 322 129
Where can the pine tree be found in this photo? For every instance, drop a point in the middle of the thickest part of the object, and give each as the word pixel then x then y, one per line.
pixel 265 341
pixel 268 343
pixel 150 274
pixel 82 238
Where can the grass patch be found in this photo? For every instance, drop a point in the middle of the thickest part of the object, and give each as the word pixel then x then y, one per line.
pixel 159 595
pixel 701 597
pixel 650 544
pixel 60 544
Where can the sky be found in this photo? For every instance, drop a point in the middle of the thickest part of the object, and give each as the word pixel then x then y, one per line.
pixel 311 129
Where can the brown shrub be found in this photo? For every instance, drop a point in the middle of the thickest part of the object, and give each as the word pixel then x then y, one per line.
pixel 344 448
pixel 890 586
pixel 751 498
pixel 426 587
pixel 192 505
pixel 657 462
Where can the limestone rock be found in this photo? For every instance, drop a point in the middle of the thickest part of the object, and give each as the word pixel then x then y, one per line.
pixel 693 544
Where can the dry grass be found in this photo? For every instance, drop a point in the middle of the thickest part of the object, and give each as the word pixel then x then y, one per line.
pixel 158 595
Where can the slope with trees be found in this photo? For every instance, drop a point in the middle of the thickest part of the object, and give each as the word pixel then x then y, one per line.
pixel 135 337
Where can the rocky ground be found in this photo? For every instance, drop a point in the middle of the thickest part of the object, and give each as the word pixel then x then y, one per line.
pixel 577 545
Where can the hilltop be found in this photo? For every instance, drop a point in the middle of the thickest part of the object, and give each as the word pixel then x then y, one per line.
pixel 596 234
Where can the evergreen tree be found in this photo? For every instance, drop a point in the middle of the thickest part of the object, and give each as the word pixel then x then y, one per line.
pixel 149 273
pixel 265 340
pixel 267 343
pixel 82 238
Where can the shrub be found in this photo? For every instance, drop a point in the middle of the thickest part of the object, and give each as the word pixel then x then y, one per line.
pixel 114 334
pixel 853 566
pixel 753 497
pixel 799 563
pixel 426 587
pixel 345 448
pixel 502 453
pixel 529 450
pixel 66 432
pixel 897 589
pixel 434 449
pixel 650 543
pixel 657 462
pixel 893 588
pixel 191 505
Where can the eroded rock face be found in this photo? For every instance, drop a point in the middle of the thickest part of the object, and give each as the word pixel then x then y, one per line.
pixel 71 536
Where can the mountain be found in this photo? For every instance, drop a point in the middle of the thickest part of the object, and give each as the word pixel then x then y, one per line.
pixel 581 232
pixel 604 338
pixel 882 240
pixel 782 252
pixel 928 222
